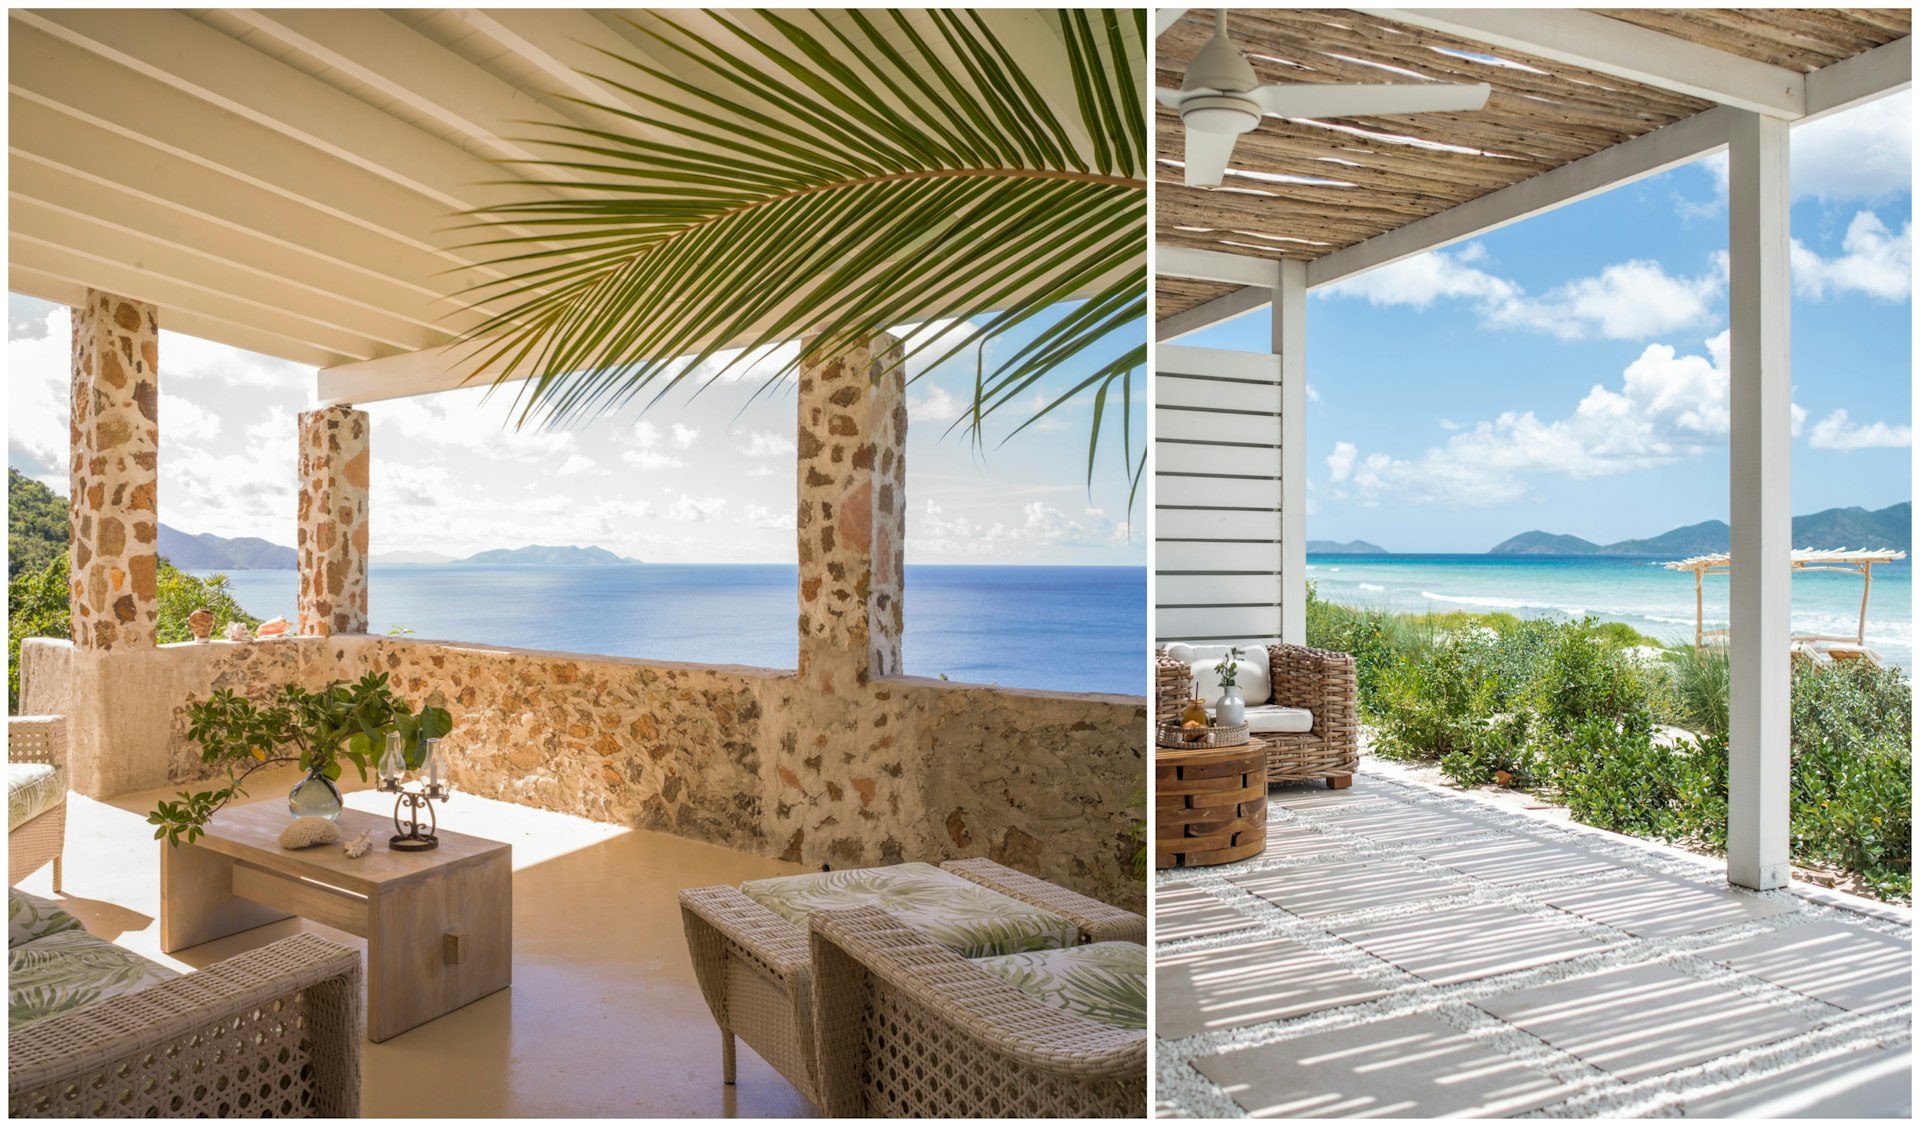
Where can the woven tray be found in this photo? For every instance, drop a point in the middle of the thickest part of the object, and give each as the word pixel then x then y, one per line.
pixel 1231 735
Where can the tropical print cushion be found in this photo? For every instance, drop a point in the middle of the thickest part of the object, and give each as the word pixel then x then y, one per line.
pixel 71 970
pixel 950 910
pixel 32 790
pixel 30 918
pixel 1103 982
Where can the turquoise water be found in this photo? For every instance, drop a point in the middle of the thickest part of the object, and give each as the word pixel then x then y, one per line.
pixel 1074 629
pixel 1638 592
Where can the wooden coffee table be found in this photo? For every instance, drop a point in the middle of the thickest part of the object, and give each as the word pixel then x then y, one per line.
pixel 1209 804
pixel 438 925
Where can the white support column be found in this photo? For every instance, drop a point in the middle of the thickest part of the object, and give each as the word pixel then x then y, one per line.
pixel 1290 342
pixel 1758 785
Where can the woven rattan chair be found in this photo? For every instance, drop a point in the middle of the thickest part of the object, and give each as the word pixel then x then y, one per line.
pixel 273 1032
pixel 38 739
pixel 1320 681
pixel 753 966
pixel 906 1027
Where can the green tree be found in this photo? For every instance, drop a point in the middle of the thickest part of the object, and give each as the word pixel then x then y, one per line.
pixel 36 524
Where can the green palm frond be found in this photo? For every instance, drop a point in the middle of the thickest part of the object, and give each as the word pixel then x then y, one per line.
pixel 822 176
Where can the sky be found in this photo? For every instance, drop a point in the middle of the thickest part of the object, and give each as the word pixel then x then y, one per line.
pixel 1568 373
pixel 699 478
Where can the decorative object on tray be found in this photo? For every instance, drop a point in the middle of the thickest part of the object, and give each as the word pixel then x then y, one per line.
pixel 303 833
pixel 238 632
pixel 274 628
pixel 313 728
pixel 1194 718
pixel 1230 709
pixel 1215 735
pixel 200 624
pixel 360 844
pixel 410 834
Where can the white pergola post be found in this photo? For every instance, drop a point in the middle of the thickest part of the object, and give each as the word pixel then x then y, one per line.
pixel 1759 630
pixel 1290 343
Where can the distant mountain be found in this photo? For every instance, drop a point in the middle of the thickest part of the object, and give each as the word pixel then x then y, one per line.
pixel 1544 544
pixel 541 555
pixel 410 558
pixel 1853 527
pixel 1350 548
pixel 207 552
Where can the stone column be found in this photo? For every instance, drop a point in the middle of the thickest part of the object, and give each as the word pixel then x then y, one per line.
pixel 333 521
pixel 112 505
pixel 850 521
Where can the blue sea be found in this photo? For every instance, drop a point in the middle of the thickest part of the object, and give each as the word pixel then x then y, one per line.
pixel 1639 592
pixel 1073 629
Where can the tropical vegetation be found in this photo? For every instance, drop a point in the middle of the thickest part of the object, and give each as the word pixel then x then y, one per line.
pixel 1630 735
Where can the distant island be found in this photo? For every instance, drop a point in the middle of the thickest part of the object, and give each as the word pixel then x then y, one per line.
pixel 1350 548
pixel 541 555
pixel 207 552
pixel 1853 527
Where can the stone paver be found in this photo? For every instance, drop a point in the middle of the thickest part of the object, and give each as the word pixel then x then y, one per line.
pixel 1326 890
pixel 1843 966
pixel 1461 944
pixel 1643 1020
pixel 1871 1085
pixel 1314 797
pixel 1296 840
pixel 1655 907
pixel 1182 911
pixel 1401 823
pixel 1248 982
pixel 1414 1067
pixel 1507 861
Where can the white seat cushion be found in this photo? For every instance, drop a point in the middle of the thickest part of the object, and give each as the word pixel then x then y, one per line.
pixel 1255 685
pixel 1279 720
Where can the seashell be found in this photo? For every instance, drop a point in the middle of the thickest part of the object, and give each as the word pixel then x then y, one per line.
pixel 200 623
pixel 237 632
pixel 303 832
pixel 359 844
pixel 273 628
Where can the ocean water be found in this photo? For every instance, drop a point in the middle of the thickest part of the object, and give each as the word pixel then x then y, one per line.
pixel 1073 629
pixel 1638 592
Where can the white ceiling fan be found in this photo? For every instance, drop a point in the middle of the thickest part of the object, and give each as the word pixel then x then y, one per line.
pixel 1221 99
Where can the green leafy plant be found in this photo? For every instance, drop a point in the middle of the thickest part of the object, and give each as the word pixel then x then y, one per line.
pixel 315 729
pixel 1228 667
pixel 917 175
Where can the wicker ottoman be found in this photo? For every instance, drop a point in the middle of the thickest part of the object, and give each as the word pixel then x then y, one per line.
pixel 1210 805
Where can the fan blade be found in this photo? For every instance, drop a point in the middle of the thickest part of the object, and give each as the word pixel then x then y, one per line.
pixel 1168 96
pixel 1335 100
pixel 1207 155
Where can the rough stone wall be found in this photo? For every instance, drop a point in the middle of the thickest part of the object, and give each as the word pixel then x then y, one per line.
pixel 332 544
pixel 113 507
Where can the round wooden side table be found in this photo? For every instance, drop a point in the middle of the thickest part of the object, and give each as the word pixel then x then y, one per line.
pixel 1209 805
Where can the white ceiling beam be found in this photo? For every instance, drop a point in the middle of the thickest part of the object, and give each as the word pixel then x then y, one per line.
pixel 1650 153
pixel 1609 46
pixel 1216 312
pixel 71 292
pixel 1871 74
pixel 1214 266
pixel 566 44
pixel 1164 18
pixel 412 373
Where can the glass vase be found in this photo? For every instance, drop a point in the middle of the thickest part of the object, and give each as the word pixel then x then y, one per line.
pixel 315 797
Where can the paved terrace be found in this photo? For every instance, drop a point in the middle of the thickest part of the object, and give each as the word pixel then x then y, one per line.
pixel 1403 950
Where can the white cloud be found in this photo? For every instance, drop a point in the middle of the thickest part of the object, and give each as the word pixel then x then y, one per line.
pixel 1865 153
pixel 184 419
pixel 766 444
pixel 762 517
pixel 651 460
pixel 694 509
pixel 185 357
pixel 684 436
pixel 933 404
pixel 1838 432
pixel 38 390
pixel 577 464
pixel 1626 301
pixel 1340 462
pixel 1873 261
pixel 1040 526
pixel 646 435
pixel 466 420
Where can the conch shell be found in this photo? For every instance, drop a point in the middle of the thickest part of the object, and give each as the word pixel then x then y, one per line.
pixel 273 628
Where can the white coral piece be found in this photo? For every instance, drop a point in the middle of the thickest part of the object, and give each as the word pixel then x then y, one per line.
pixel 303 832
pixel 238 632
pixel 360 844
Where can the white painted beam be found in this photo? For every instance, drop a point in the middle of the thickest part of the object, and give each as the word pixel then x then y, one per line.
pixel 411 373
pixel 1164 18
pixel 1645 155
pixel 1290 342
pixel 1610 46
pixel 1213 266
pixel 1760 451
pixel 1862 78
pixel 1216 312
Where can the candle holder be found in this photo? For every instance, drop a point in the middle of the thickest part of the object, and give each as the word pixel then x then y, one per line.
pixel 411 834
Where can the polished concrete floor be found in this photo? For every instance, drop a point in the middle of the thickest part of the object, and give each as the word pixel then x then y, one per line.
pixel 1402 950
pixel 603 1019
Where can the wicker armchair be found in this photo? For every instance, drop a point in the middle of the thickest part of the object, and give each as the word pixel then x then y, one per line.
pixel 754 967
pixel 38 739
pixel 273 1032
pixel 906 1027
pixel 1321 681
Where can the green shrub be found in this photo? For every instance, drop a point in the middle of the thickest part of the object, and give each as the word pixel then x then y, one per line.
pixel 1853 772
pixel 1697 682
pixel 1581 678
pixel 1437 704
pixel 1614 774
